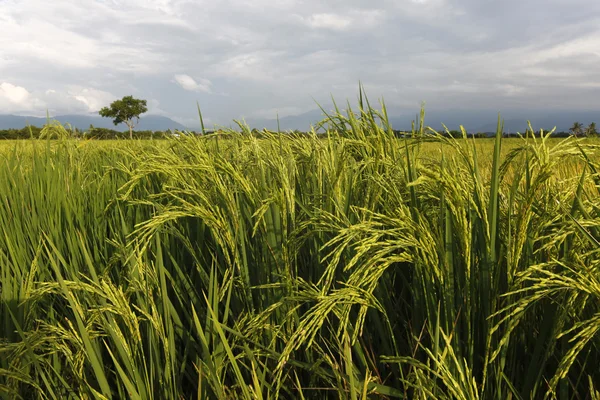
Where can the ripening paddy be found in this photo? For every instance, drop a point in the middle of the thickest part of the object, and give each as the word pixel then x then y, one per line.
pixel 353 266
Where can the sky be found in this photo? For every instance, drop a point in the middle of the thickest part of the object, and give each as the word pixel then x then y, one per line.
pixel 259 58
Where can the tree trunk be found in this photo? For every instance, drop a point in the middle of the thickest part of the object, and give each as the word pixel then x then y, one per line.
pixel 130 132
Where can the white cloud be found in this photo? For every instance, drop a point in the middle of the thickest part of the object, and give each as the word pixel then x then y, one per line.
pixel 508 90
pixel 93 99
pixel 352 20
pixel 259 66
pixel 154 107
pixel 16 99
pixel 330 21
pixel 13 94
pixel 70 99
pixel 576 49
pixel 83 35
pixel 189 83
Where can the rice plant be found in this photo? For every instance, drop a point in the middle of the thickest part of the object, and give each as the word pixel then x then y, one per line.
pixel 349 265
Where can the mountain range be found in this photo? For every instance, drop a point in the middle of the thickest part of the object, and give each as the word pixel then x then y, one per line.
pixel 473 120
pixel 147 122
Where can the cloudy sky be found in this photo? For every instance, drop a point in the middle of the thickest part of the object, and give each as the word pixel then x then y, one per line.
pixel 254 58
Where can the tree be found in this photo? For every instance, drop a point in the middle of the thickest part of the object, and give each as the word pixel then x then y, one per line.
pixel 591 130
pixel 576 129
pixel 125 111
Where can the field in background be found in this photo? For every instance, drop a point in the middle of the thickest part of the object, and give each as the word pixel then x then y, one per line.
pixel 354 266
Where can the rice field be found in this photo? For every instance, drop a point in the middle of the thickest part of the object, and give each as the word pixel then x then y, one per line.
pixel 356 266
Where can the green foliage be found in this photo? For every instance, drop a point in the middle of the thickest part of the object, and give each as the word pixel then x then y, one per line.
pixel 125 111
pixel 591 130
pixel 576 129
pixel 111 134
pixel 454 134
pixel 27 132
pixel 55 131
pixel 354 265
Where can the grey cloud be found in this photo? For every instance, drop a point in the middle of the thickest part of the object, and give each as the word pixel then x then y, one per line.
pixel 278 55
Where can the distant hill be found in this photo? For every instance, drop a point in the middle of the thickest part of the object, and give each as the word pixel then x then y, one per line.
pixel 301 121
pixel 562 120
pixel 147 122
pixel 473 120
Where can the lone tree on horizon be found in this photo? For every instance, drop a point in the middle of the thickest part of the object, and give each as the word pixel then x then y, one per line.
pixel 125 111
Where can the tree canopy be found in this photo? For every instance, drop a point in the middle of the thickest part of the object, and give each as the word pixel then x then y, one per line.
pixel 591 130
pixel 125 111
pixel 576 129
